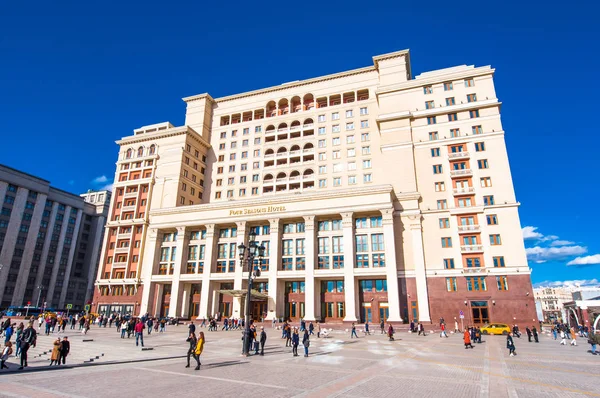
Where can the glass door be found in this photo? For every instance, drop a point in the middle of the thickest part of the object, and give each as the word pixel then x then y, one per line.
pixel 366 313
pixel 480 312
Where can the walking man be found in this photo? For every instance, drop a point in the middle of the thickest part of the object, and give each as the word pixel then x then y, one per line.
pixel 65 348
pixel 367 328
pixel 528 334
pixel 510 344
pixel 263 340
pixel 139 332
pixel 443 333
pixel 535 335
pixel 29 338
pixel 351 335
pixel 382 326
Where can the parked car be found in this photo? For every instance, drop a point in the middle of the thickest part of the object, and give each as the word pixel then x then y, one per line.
pixel 496 328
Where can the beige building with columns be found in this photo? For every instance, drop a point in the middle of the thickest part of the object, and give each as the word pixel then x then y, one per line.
pixel 50 242
pixel 377 194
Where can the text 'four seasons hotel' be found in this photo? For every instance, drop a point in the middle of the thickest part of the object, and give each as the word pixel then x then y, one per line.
pixel 378 195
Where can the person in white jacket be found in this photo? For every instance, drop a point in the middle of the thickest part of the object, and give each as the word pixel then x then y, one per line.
pixel 40 323
pixel 563 338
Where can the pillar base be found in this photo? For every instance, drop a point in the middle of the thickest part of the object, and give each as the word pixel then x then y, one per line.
pixel 350 319
pixel 394 320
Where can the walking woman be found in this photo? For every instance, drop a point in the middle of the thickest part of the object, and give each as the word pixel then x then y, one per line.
pixel 199 349
pixel 510 345
pixel 193 341
pixel 55 357
pixel 295 342
pixel 467 339
pixel 306 342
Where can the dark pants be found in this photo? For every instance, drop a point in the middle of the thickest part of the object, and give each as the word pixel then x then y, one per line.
pixel 24 349
pixel 190 353
pixel 529 338
pixel 295 349
pixel 139 336
pixel 262 348
pixel 63 358
pixel 535 337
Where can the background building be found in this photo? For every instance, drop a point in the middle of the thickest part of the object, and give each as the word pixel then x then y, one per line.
pixel 49 241
pixel 552 300
pixel 378 195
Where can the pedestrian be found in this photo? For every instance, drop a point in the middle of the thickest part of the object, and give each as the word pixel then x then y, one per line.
pixel 390 332
pixel 311 329
pixel 40 322
pixel 528 331
pixel 192 340
pixel 273 322
pixel 149 323
pixel 455 326
pixel 351 334
pixel 306 342
pixel 65 348
pixel 510 344
pixel 563 337
pixel 382 326
pixel 8 332
pixel 535 335
pixel 192 327
pixel 367 328
pixel 593 340
pixel 18 338
pixel 163 325
pixel 6 353
pixel 55 356
pixel 516 331
pixel 467 339
pixel 554 332
pixel 123 329
pixel 295 342
pixel 421 329
pixel 318 330
pixel 443 332
pixel 263 340
pixel 573 337
pixel 199 349
pixel 139 332
pixel 288 335
pixel 29 339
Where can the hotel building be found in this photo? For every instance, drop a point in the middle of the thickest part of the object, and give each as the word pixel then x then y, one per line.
pixel 50 242
pixel 377 194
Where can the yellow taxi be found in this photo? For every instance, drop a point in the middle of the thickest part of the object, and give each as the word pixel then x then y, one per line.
pixel 496 328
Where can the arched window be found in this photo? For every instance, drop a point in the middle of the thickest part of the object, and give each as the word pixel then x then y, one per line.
pixel 140 152
pixel 152 149
pixel 129 154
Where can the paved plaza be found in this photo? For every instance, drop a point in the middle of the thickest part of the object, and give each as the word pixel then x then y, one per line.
pixel 371 366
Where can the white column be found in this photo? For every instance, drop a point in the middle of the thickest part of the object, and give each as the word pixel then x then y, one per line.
pixel 150 254
pixel 34 228
pixel 349 285
pixel 309 281
pixel 10 239
pixel 206 310
pixel 275 305
pixel 413 222
pixel 76 234
pixel 158 290
pixel 182 245
pixel 58 257
pixel 391 268
pixel 238 277
pixel 185 300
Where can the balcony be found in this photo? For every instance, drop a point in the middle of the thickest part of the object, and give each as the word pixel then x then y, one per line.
pixel 130 195
pixel 128 208
pixel 471 249
pixel 119 265
pixel 121 250
pixel 459 155
pixel 463 191
pixel 469 228
pixel 461 173
pixel 124 235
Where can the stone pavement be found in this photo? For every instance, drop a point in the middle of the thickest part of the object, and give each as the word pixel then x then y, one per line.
pixel 370 366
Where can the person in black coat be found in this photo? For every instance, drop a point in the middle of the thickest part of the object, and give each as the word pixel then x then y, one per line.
pixel 295 342
pixel 510 344
pixel 306 342
pixel 263 340
pixel 535 335
pixel 65 348
pixel 528 334
pixel 190 352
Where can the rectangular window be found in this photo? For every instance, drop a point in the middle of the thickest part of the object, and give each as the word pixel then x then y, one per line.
pixel 448 86
pixel 364 124
pixel 364 137
pixel 321 118
pixel 337 181
pixel 351 180
pixel 335 116
pixel 474 113
pixel 495 240
pixel 322 131
pixel 429 105
pixel 469 83
pixel 364 111
pixel 482 164
pixel 377 243
pixel 450 101
pixel 351 152
pixel 322 143
pixel 444 223
pixel 473 262
pixel 366 150
pixel 448 263
pixel 335 141
pixel 486 182
pixel 322 183
pixel 477 130
pixel 452 117
pixel 451 285
pixel 479 146
pixel 427 90
pixel 437 169
pixel 471 97
pixel 349 113
pixel 502 282
pixel 488 200
pixel 499 262
pixel 446 242
pixel 476 283
pixel 440 187
pixel 350 126
pixel 335 128
pixel 367 177
pixel 361 243
pixel 435 152
pixel 454 133
pixel 431 120
pixel 492 219
pixel 366 164
pixel 442 204
pixel 433 136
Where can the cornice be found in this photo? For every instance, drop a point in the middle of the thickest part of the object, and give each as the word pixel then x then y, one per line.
pixel 415 83
pixel 134 139
pixel 441 110
pixel 198 97
pixel 338 194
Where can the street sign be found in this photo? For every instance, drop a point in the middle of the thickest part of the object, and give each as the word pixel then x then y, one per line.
pixel 29 303
pixel 462 317
pixel 69 306
pixel 87 307
pixel 461 313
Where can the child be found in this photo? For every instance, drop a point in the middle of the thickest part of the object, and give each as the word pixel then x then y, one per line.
pixel 6 352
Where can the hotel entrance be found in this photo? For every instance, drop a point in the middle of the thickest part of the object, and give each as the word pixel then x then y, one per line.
pixel 294 300
pixel 480 312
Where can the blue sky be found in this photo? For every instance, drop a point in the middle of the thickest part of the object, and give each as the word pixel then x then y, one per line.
pixel 76 76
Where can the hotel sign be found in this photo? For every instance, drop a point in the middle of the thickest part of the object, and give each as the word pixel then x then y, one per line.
pixel 256 210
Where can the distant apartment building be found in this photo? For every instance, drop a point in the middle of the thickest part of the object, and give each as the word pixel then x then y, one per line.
pixel 50 242
pixel 378 195
pixel 552 300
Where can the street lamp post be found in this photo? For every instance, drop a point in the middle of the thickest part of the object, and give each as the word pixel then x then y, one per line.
pixel 248 253
pixel 37 304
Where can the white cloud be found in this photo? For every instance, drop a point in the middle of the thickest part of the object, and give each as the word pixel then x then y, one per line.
pixel 572 283
pixel 547 238
pixel 99 180
pixel 108 187
pixel 587 260
pixel 541 254
pixel 562 243
pixel 530 233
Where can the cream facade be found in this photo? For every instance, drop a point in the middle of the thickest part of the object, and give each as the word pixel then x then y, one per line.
pixel 378 195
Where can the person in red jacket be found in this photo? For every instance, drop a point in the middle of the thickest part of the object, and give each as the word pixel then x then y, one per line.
pixel 139 332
